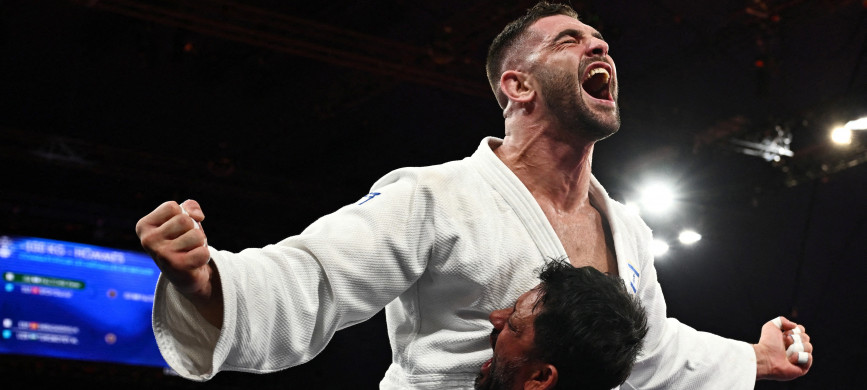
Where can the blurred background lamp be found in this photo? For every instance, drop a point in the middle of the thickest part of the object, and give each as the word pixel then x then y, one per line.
pixel 657 198
pixel 658 247
pixel 689 237
pixel 857 124
pixel 842 136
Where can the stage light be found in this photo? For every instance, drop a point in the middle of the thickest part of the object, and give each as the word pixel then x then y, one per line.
pixel 857 124
pixel 657 198
pixel 689 237
pixel 841 136
pixel 658 247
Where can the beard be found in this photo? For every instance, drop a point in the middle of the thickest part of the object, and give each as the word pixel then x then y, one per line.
pixel 500 377
pixel 563 96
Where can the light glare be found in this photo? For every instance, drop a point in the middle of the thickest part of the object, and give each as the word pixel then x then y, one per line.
pixel 842 135
pixel 857 124
pixel 658 247
pixel 657 198
pixel 689 237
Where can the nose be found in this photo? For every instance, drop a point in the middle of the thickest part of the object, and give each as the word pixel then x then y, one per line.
pixel 597 47
pixel 498 318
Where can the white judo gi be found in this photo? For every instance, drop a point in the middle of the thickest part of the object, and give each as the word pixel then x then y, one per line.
pixel 439 247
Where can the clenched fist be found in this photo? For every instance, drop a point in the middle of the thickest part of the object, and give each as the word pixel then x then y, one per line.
pixel 784 351
pixel 173 236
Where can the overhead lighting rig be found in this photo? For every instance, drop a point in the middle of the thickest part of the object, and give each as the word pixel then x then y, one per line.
pixel 814 156
pixel 771 148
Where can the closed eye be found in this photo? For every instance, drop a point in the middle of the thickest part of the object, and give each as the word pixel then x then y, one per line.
pixel 509 324
pixel 574 36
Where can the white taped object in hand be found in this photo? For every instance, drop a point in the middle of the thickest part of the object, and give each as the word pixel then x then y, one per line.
pixel 795 348
pixel 777 321
pixel 803 357
pixel 796 330
pixel 796 338
pixel 196 224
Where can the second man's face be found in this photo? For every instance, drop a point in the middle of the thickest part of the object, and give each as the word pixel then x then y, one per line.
pixel 512 341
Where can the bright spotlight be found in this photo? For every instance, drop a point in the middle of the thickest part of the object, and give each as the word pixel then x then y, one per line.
pixel 857 124
pixel 657 198
pixel 842 136
pixel 658 247
pixel 689 237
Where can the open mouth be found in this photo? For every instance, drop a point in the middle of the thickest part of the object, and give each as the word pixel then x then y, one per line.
pixel 596 83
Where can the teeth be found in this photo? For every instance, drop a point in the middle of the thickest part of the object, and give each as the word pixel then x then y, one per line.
pixel 595 71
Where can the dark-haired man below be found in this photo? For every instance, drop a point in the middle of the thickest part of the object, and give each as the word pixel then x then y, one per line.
pixel 578 329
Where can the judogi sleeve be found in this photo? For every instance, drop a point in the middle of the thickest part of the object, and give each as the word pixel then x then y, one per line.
pixel 284 302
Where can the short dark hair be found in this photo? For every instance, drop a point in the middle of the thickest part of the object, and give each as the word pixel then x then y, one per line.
pixel 512 33
pixel 588 326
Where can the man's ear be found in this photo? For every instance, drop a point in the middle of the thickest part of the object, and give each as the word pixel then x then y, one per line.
pixel 516 86
pixel 544 377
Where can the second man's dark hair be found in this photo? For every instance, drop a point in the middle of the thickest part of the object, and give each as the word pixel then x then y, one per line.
pixel 589 327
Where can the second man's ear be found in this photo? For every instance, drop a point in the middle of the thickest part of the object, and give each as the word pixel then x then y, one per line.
pixel 544 377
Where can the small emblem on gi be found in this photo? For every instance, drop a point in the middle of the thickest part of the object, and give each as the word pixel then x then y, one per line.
pixel 368 197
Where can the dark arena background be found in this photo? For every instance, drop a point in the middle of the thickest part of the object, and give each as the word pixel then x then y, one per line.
pixel 273 113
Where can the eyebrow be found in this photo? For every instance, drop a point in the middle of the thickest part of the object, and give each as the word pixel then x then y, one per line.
pixel 571 32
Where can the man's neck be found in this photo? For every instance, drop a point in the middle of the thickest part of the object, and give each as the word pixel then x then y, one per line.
pixel 555 168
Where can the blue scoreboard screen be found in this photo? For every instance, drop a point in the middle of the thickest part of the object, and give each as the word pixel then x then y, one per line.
pixel 77 301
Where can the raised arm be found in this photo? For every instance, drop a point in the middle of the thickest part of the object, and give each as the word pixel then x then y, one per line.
pixel 173 236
